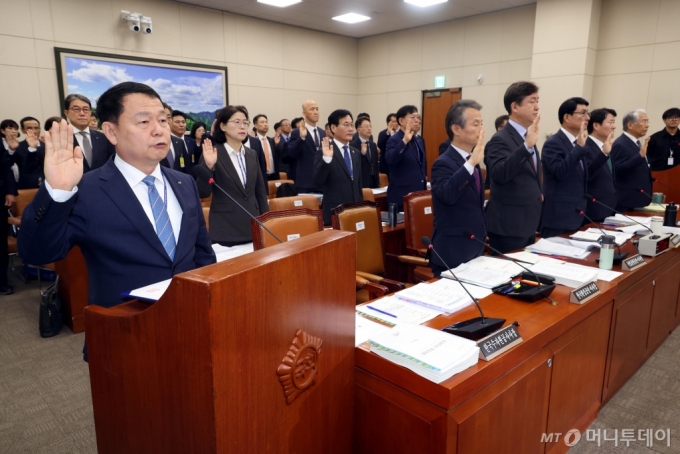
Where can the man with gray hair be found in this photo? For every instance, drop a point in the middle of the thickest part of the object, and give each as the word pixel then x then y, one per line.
pixel 96 147
pixel 632 177
pixel 458 190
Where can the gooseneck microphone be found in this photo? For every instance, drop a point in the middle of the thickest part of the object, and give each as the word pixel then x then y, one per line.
pixel 475 328
pixel 620 255
pixel 656 180
pixel 542 290
pixel 203 175
pixel 642 191
pixel 594 200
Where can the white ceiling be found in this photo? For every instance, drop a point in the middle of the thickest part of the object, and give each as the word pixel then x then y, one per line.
pixel 386 15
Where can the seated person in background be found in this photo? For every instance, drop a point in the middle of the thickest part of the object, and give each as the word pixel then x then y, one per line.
pixel 663 150
pixel 629 158
pixel 457 189
pixel 601 127
pixel 236 169
pixel 30 155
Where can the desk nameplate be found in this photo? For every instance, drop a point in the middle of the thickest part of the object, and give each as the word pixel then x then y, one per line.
pixel 632 263
pixel 584 293
pixel 499 342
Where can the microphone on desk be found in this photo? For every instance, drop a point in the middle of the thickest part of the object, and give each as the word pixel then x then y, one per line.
pixel 642 191
pixel 477 327
pixel 204 177
pixel 617 257
pixel 539 292
pixel 594 200
pixel 656 180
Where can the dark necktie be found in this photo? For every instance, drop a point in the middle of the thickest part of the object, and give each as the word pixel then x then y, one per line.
pixel 87 147
pixel 579 161
pixel 533 154
pixel 348 161
pixel 478 181
pixel 316 138
pixel 420 153
pixel 609 164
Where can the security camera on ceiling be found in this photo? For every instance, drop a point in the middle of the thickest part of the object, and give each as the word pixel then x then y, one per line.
pixel 137 21
pixel 146 25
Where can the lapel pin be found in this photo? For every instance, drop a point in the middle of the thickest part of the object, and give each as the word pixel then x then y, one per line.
pixel 179 182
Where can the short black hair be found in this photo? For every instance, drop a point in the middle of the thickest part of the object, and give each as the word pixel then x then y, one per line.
pixel 8 124
pixel 516 92
pixel 69 99
pixel 599 116
pixel 277 125
pixel 360 121
pixel 294 122
pixel 25 119
pixel 500 120
pixel 389 117
pixel 94 115
pixel 363 115
pixel 405 110
pixel 336 115
pixel 568 107
pixel 258 116
pixel 50 121
pixel 167 106
pixel 223 117
pixel 178 113
pixel 672 112
pixel 110 103
pixel 327 126
pixel 456 114
pixel 195 127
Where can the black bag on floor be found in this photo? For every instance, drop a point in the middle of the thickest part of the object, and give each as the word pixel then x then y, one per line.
pixel 50 321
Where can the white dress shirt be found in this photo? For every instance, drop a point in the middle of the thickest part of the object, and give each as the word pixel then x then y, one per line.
pixel 465 155
pixel 79 136
pixel 310 131
pixel 597 141
pixel 523 132
pixel 238 159
pixel 637 142
pixel 569 135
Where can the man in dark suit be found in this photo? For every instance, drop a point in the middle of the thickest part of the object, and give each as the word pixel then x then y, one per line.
pixel 268 146
pixel 281 139
pixel 178 156
pixel 29 155
pixel 95 146
pixel 135 222
pixel 513 212
pixel 458 190
pixel 383 136
pixel 601 127
pixel 337 165
pixel 406 158
pixel 305 142
pixel 564 170
pixel 286 159
pixel 370 177
pixel 629 157
pixel 8 190
pixel 663 151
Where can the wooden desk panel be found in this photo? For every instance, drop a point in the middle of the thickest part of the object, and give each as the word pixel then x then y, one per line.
pixel 394 241
pixel 662 318
pixel 73 288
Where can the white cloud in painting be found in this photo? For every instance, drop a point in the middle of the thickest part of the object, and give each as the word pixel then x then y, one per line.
pixel 191 94
pixel 100 72
pixel 72 88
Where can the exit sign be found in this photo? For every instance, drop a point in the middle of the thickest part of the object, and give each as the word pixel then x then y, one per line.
pixel 439 81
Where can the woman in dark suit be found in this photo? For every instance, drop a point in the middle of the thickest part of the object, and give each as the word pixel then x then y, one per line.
pixel 193 141
pixel 235 168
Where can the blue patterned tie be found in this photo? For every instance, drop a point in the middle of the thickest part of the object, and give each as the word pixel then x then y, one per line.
pixel 348 161
pixel 160 215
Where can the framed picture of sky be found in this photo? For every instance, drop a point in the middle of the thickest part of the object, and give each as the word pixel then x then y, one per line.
pixel 197 90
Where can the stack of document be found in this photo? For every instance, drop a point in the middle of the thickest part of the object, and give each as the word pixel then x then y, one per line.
pixel 487 272
pixel 529 257
pixel 365 328
pixel 556 246
pixel 441 298
pixel 567 274
pixel 620 237
pixel 224 253
pixel 429 353
pixel 625 224
pixel 392 310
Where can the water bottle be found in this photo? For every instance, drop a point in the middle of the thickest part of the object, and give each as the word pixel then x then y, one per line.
pixel 607 252
pixel 670 217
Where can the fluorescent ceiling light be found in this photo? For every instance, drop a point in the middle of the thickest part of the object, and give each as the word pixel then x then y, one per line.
pixel 351 18
pixel 424 3
pixel 279 3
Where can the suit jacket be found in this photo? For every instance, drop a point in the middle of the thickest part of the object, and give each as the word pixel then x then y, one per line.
pixel 122 251
pixel 102 150
pixel 514 207
pixel 30 164
pixel 600 182
pixel 228 223
pixel 458 206
pixel 195 151
pixel 631 173
pixel 335 181
pixel 445 145
pixel 564 182
pixel 181 151
pixel 304 153
pixel 8 184
pixel 370 175
pixel 275 159
pixel 407 174
pixel 382 145
pixel 283 164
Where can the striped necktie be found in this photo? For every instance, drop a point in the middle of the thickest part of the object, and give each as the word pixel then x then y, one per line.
pixel 160 216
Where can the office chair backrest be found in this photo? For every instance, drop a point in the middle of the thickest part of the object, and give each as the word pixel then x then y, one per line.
pixel 368 194
pixel 418 220
pixel 291 203
pixel 287 225
pixel 22 200
pixel 364 219
pixel 273 186
pixel 384 181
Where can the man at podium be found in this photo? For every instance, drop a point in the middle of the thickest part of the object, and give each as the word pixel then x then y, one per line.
pixel 136 222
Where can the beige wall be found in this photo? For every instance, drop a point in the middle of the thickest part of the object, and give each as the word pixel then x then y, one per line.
pixel 394 68
pixel 262 76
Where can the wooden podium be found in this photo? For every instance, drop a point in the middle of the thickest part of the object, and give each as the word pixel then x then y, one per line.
pixel 251 355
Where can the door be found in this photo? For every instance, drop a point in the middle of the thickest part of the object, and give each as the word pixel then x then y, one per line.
pixel 436 104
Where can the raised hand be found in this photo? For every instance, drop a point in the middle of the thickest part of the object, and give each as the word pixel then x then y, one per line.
pixel 326 147
pixel 532 133
pixel 643 150
pixel 31 139
pixel 209 154
pixel 477 155
pixel 607 147
pixel 303 129
pixel 582 134
pixel 277 139
pixel 63 163
pixel 11 139
pixel 408 133
pixel 364 147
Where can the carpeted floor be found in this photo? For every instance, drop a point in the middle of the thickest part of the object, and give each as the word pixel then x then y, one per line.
pixel 45 403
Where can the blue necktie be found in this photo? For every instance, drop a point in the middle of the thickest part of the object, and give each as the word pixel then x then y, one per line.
pixel 160 215
pixel 348 161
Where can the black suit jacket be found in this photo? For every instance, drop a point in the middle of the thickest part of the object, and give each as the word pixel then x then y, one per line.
pixel 564 182
pixel 228 223
pixel 382 145
pixel 370 175
pixel 30 164
pixel 102 149
pixel 283 164
pixel 407 174
pixel 304 152
pixel 600 182
pixel 458 206
pixel 445 145
pixel 515 203
pixel 631 173
pixel 335 181
pixel 182 156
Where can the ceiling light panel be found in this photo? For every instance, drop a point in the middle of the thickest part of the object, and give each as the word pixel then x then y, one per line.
pixel 424 3
pixel 351 18
pixel 279 3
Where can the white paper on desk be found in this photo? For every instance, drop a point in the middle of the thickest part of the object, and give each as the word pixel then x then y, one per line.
pixel 529 257
pixel 498 264
pixel 365 328
pixel 602 275
pixel 620 237
pixel 557 246
pixel 153 291
pixel 475 290
pixel 224 253
pixel 404 311
pixel 567 274
pixel 631 229
pixel 444 299
pixel 673 230
pixel 379 190
pixel 644 220
pixel 479 276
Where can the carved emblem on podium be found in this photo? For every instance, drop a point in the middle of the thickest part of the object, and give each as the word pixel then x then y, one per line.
pixel 297 371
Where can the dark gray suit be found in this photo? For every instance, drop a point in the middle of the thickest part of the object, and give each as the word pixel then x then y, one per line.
pixel 102 149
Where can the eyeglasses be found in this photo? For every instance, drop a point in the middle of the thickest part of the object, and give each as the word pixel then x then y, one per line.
pixel 585 113
pixel 346 125
pixel 240 123
pixel 673 118
pixel 77 110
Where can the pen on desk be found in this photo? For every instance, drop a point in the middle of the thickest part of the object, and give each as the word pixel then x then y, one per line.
pixel 532 283
pixel 382 312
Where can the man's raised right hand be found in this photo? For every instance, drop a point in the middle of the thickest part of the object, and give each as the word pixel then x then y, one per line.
pixel 63 163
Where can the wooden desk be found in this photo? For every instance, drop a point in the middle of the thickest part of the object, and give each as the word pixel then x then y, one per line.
pixel 394 241
pixel 572 360
pixel 73 288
